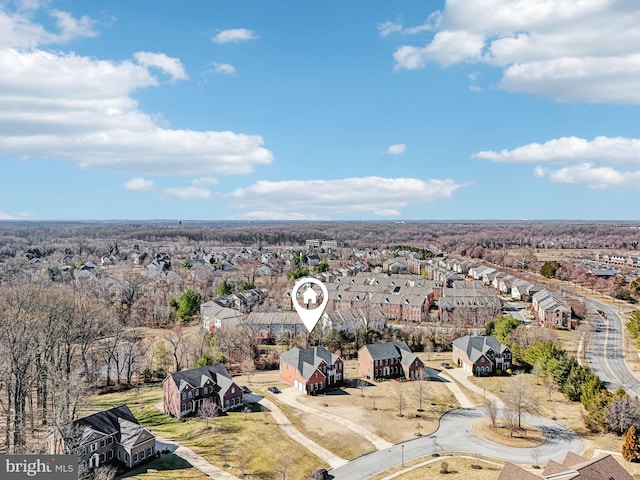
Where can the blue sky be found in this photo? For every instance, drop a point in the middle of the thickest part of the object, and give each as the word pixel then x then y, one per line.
pixel 289 110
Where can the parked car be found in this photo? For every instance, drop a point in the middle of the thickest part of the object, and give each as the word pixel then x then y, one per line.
pixel 274 389
pixel 321 474
pixel 445 365
pixel 245 389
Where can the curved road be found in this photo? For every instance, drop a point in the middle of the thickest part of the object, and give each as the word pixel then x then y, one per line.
pixel 605 351
pixel 455 434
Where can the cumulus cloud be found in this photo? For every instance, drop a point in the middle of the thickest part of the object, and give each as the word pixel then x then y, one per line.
pixel 613 150
pixel 171 66
pixel 72 107
pixel 234 35
pixel 549 48
pixel 18 30
pixel 602 163
pixel 349 195
pixel 188 193
pixel 591 176
pixel 224 68
pixel 397 149
pixel 139 184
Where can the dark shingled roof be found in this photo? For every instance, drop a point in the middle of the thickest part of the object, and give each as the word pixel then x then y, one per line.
pixel 196 377
pixel 513 472
pixel 475 346
pixel 306 361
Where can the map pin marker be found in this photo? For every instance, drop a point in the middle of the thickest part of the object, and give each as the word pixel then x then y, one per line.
pixel 308 315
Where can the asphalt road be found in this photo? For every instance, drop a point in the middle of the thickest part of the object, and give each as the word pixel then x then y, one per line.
pixel 605 351
pixel 455 434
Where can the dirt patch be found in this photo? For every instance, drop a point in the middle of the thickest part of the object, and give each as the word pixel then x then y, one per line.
pixel 526 437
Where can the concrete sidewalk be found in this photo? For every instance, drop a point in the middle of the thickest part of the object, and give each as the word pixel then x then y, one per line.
pixel 194 459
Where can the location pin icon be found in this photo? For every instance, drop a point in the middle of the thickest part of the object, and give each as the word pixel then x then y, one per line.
pixel 309 316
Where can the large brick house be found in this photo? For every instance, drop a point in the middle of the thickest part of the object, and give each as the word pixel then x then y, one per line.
pixel 481 355
pixel 388 360
pixel 311 370
pixel 185 391
pixel 110 436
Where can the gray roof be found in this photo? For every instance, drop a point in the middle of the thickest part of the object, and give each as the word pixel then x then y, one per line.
pixel 196 377
pixel 380 351
pixel 476 346
pixel 307 360
pixel 118 421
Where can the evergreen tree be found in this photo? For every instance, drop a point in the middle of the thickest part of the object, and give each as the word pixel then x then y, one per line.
pixel 630 444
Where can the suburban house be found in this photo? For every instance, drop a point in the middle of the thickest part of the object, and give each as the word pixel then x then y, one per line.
pixel 311 370
pixel 354 319
pixel 186 390
pixel 468 306
pixel 574 467
pixel 271 326
pixel 107 437
pixel 216 317
pixel 389 360
pixel 481 355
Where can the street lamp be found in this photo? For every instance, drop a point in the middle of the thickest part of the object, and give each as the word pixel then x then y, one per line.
pixel 402 454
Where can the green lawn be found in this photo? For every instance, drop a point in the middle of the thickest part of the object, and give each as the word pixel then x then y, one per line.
pixel 169 467
pixel 235 440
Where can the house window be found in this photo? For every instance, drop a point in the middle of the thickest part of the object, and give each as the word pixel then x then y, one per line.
pixel 84 450
pixel 135 458
pixel 149 451
pixel 190 394
pixel 142 455
pixel 94 447
pixel 184 396
pixel 109 440
pixel 102 443
pixel 119 455
pixel 126 457
pixel 233 389
pixel 103 457
pixel 110 454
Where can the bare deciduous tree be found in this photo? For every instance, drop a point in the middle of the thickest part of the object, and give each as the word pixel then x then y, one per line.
pixel 519 398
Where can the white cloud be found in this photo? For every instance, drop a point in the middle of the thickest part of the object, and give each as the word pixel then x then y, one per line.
pixel 601 161
pixel 234 35
pixel 139 184
pixel 204 181
pixel 71 107
pixel 224 68
pixel 567 50
pixel 387 212
pixel 397 149
pixel 324 197
pixel 613 150
pixel 187 193
pixel 171 66
pixel 594 177
pixel 397 26
pixel 18 30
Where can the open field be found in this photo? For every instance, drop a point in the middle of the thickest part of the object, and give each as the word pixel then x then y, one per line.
pixel 226 443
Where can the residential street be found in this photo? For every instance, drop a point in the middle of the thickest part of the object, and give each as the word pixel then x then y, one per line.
pixel 605 351
pixel 455 435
